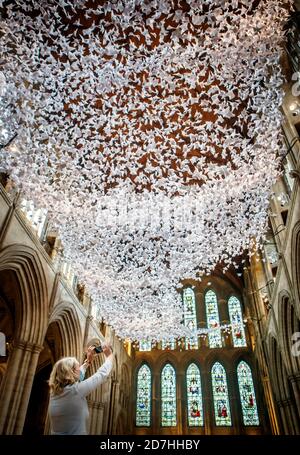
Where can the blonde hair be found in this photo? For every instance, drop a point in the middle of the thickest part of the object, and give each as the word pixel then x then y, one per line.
pixel 63 374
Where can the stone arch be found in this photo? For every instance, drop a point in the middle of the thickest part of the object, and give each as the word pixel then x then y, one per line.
pixel 282 389
pixel 246 356
pixel 276 367
pixel 295 263
pixel 288 324
pixel 166 357
pixel 32 315
pixel 189 360
pixel 24 285
pixel 214 357
pixel 68 324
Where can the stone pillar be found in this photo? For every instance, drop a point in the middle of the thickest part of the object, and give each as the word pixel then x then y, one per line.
pixel 293 415
pixel 16 387
pixel 273 414
pixel 100 419
pixel 96 417
pixel 115 413
pixel 295 381
pixel 283 417
pixel 180 401
pixel 112 406
pixel 289 417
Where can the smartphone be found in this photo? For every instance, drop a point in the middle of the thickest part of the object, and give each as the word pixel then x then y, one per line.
pixel 98 349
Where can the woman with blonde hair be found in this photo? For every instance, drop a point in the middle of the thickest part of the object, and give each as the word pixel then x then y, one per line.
pixel 68 409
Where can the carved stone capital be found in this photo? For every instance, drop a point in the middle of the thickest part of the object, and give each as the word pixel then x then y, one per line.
pixel 27 346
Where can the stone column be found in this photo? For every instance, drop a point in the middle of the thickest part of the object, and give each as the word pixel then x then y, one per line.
pixel 293 415
pixel 16 387
pixel 156 403
pixel 180 401
pixel 115 413
pixel 295 381
pixel 283 417
pixel 112 406
pixel 289 417
pixel 96 417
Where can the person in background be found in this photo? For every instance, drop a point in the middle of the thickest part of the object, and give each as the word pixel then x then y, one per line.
pixel 68 409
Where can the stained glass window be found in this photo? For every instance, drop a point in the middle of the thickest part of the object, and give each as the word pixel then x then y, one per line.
pixel 143 397
pixel 236 320
pixel 194 396
pixel 220 395
pixel 168 396
pixel 145 345
pixel 213 321
pixel 247 394
pixel 170 344
pixel 190 318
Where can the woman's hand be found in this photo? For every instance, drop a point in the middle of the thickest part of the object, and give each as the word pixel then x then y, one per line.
pixel 90 354
pixel 107 349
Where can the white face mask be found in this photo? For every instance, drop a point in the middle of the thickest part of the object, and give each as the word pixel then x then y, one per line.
pixel 81 376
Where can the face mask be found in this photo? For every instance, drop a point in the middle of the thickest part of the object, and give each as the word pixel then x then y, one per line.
pixel 81 376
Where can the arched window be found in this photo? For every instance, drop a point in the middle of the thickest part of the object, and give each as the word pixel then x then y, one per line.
pixel 236 320
pixel 168 396
pixel 194 396
pixel 143 397
pixel 213 321
pixel 190 317
pixel 220 395
pixel 247 394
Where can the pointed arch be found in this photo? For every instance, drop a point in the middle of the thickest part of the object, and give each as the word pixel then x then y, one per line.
pixel 282 388
pixel 247 394
pixel 220 395
pixel 236 321
pixel 190 316
pixel 66 318
pixel 143 396
pixel 288 325
pixel 168 396
pixel 295 261
pixel 25 263
pixel 194 396
pixel 213 319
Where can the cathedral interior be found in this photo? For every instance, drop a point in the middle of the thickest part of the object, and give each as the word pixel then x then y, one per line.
pixel 238 373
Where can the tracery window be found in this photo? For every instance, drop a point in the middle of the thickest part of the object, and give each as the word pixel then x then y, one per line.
pixel 194 396
pixel 220 395
pixel 213 321
pixel 143 398
pixel 236 320
pixel 247 394
pixel 168 397
pixel 190 317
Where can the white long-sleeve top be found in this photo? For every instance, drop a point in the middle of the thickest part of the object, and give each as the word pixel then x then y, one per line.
pixel 68 411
